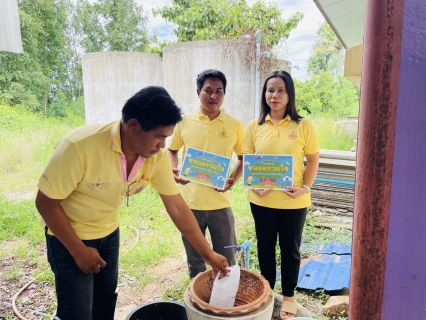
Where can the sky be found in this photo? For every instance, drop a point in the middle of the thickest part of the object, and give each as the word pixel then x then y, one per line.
pixel 299 43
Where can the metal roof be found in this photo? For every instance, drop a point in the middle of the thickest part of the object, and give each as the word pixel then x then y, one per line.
pixel 346 18
pixel 329 272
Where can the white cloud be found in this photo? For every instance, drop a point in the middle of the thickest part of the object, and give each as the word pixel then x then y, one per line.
pixel 302 38
pixel 299 44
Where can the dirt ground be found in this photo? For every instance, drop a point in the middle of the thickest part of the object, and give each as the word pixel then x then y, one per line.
pixel 40 296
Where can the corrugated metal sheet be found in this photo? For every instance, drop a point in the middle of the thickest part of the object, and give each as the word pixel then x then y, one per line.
pixel 331 248
pixel 328 272
pixel 346 18
pixel 10 32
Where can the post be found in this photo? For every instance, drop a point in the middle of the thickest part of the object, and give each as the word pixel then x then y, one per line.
pixel 388 271
pixel 258 36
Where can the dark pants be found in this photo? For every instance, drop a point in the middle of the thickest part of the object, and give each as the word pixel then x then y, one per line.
pixel 85 296
pixel 288 224
pixel 221 226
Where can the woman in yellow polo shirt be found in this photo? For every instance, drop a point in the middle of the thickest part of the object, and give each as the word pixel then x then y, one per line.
pixel 281 130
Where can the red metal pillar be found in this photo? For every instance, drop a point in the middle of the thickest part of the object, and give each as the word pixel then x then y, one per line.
pixel 376 137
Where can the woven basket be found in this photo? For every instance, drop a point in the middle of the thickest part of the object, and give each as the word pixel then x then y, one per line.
pixel 252 293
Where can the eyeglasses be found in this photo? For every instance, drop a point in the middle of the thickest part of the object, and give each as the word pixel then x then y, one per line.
pixel 128 187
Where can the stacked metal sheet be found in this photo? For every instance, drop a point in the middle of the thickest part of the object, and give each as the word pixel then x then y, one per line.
pixel 334 185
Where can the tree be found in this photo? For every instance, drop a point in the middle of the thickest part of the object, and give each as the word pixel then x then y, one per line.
pixel 31 77
pixel 328 52
pixel 325 95
pixel 227 19
pixel 112 25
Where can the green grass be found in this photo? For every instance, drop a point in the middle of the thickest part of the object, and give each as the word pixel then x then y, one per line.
pixel 331 136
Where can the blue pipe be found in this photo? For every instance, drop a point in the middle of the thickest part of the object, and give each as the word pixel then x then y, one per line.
pixel 246 247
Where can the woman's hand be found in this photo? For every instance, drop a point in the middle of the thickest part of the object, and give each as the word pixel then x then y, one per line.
pixel 295 192
pixel 262 192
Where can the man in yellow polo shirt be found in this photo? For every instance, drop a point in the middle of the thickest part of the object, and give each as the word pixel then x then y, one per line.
pixel 210 129
pixel 90 172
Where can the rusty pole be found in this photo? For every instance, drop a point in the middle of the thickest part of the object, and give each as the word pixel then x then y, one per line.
pixel 376 137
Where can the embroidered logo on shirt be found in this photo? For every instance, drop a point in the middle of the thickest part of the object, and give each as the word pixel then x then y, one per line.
pixel 98 185
pixel 292 135
pixel 45 177
pixel 223 133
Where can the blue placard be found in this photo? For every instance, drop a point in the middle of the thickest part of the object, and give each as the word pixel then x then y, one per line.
pixel 267 171
pixel 205 168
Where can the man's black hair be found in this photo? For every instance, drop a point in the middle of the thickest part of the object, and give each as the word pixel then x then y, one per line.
pixel 211 73
pixel 152 107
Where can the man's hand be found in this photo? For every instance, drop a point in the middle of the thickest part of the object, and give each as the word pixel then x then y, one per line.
pixel 218 263
pixel 229 183
pixel 262 192
pixel 178 178
pixel 295 192
pixel 89 260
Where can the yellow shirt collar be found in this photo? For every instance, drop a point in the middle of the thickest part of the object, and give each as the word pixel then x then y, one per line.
pixel 115 137
pixel 221 116
pixel 268 118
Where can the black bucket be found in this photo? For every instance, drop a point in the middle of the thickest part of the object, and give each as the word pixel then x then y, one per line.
pixel 161 310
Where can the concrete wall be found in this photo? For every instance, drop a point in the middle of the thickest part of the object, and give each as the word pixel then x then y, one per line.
pixel 110 78
pixel 349 126
pixel 182 63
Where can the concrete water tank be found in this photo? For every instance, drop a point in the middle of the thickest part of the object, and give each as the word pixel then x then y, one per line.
pixel 183 61
pixel 110 78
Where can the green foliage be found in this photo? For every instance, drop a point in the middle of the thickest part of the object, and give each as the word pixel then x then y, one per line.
pixel 48 75
pixel 313 234
pixel 157 48
pixel 18 220
pixel 332 136
pixel 111 25
pixel 324 95
pixel 322 295
pixel 29 78
pixel 328 53
pixel 176 293
pixel 223 19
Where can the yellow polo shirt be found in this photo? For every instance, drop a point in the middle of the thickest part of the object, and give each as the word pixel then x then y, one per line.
pixel 286 137
pixel 88 171
pixel 221 136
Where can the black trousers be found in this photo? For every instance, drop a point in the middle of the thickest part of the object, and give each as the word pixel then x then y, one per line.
pixel 288 224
